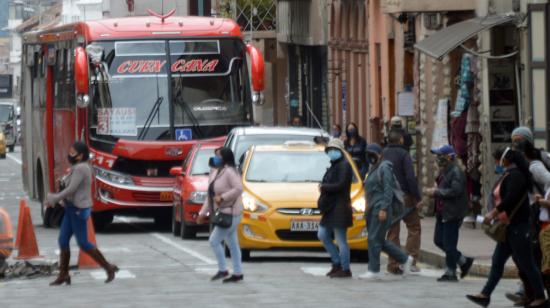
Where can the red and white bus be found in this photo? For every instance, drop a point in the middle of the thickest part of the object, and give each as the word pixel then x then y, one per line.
pixel 139 91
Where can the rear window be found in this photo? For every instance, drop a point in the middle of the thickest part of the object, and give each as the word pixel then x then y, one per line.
pixel 244 142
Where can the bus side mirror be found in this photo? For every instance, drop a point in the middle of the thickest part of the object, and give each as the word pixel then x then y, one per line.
pixel 82 79
pixel 257 65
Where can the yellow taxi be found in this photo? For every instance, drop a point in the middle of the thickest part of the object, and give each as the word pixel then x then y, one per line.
pixel 281 188
pixel 2 145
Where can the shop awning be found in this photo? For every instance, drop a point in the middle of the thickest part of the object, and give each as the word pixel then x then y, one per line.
pixel 444 41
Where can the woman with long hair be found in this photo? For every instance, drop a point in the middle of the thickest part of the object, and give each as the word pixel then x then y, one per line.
pixel 511 206
pixel 77 200
pixel 224 199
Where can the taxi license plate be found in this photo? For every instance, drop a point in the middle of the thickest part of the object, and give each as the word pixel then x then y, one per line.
pixel 304 225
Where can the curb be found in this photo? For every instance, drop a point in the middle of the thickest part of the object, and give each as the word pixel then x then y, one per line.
pixel 480 270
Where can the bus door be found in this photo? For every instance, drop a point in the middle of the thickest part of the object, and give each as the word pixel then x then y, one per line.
pixel 64 106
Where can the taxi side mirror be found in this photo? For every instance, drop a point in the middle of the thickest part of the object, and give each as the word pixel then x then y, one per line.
pixel 177 171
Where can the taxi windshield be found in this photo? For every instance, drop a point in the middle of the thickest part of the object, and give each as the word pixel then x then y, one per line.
pixel 287 166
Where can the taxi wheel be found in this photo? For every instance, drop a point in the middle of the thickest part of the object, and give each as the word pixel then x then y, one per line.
pixel 12 148
pixel 102 220
pixel 3 156
pixel 360 256
pixel 176 225
pixel 245 253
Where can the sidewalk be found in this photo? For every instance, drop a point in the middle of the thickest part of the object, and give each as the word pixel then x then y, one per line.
pixel 472 242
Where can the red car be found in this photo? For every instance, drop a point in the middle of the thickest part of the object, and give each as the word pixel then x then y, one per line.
pixel 190 188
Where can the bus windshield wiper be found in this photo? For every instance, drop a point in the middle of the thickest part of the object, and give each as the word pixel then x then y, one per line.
pixel 154 112
pixel 190 114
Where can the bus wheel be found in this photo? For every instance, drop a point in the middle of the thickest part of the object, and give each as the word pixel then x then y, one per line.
pixel 45 211
pixel 102 220
pixel 163 221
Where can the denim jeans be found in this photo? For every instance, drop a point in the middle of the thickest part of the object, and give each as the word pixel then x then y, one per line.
pixel 519 246
pixel 229 235
pixel 75 221
pixel 446 239
pixel 377 242
pixel 338 255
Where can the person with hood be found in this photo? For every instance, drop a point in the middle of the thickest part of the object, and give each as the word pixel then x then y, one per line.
pixel 451 202
pixel 335 206
pixel 357 148
pixel 77 200
pixel 380 188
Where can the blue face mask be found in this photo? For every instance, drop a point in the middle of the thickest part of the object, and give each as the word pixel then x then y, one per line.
pixel 334 154
pixel 216 161
pixel 499 169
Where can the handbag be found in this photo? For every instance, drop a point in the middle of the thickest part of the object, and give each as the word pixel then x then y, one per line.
pixel 218 219
pixel 497 231
pixel 222 220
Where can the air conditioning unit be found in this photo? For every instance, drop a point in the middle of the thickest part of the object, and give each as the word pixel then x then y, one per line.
pixel 432 21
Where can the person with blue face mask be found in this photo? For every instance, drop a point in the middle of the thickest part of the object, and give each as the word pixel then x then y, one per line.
pixel 335 206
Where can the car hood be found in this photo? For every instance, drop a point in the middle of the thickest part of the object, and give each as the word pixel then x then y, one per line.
pixel 290 194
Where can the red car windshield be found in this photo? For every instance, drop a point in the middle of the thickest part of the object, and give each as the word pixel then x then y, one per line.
pixel 200 163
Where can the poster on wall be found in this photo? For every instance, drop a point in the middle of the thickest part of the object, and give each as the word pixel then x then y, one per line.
pixel 405 104
pixel 440 135
pixel 116 121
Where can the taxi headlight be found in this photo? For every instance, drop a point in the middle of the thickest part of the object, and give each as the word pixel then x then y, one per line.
pixel 359 205
pixel 252 205
pixel 114 177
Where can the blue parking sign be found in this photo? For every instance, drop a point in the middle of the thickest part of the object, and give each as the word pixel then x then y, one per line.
pixel 184 134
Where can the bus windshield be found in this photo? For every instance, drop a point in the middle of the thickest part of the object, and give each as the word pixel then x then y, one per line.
pixel 6 113
pixel 134 98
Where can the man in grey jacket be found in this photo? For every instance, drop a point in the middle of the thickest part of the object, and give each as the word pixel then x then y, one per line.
pixel 403 169
pixel 451 203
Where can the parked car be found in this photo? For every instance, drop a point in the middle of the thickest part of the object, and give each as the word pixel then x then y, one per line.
pixel 8 123
pixel 241 138
pixel 281 188
pixel 190 189
pixel 2 145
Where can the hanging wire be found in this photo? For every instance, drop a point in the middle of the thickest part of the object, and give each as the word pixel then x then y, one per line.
pixel 478 54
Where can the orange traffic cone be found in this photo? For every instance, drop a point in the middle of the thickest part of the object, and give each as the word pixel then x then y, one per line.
pixel 22 205
pixel 28 248
pixel 84 260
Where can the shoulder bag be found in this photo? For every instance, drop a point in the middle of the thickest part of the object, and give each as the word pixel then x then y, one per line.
pixel 218 219
pixel 497 231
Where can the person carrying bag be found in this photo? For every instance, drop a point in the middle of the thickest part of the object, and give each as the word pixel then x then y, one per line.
pixel 224 206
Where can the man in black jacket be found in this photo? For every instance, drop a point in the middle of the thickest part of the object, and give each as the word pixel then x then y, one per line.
pixel 404 172
pixel 396 126
pixel 335 205
pixel 451 203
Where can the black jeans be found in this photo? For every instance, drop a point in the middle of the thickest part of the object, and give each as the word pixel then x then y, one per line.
pixel 446 238
pixel 518 245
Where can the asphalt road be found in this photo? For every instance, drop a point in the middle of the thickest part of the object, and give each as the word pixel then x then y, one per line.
pixel 159 270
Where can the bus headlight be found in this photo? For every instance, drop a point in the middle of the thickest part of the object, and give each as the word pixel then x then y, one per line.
pixel 252 205
pixel 114 177
pixel 359 205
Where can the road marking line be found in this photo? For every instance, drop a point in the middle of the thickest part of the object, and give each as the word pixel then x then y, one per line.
pixel 122 274
pixel 174 244
pixel 189 251
pixel 15 159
